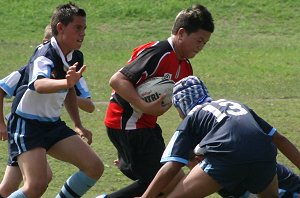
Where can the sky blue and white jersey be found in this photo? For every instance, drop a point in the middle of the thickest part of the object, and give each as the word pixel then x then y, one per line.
pixel 48 61
pixel 9 83
pixel 82 89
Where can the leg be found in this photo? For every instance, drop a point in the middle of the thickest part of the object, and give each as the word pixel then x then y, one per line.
pixel 13 177
pixel 84 158
pixel 11 180
pixel 119 140
pixel 271 191
pixel 196 184
pixel 142 148
pixel 49 174
pixel 73 150
pixel 35 174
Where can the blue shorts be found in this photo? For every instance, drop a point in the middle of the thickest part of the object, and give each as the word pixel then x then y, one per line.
pixel 254 177
pixel 25 134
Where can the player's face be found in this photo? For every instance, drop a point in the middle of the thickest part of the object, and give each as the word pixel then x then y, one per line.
pixel 192 44
pixel 73 34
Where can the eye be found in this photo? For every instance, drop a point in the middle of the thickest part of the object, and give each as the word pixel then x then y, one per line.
pixel 201 42
pixel 78 27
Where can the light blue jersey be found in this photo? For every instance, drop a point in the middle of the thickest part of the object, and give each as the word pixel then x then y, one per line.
pixel 47 62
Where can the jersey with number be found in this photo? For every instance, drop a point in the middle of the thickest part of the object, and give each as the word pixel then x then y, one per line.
pixel 47 61
pixel 227 131
pixel 154 59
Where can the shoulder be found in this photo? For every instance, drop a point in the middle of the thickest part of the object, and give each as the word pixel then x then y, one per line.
pixel 77 56
pixel 46 50
pixel 154 48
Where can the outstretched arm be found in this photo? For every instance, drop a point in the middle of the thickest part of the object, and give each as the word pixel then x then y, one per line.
pixel 165 175
pixel 287 148
pixel 72 108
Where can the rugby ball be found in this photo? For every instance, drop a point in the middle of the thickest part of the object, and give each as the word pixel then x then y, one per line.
pixel 153 88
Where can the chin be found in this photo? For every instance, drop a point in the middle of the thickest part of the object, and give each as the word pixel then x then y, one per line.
pixel 77 47
pixel 191 56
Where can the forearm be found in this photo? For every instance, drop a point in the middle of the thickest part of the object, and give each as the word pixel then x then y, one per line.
pixel 72 107
pixel 126 90
pixel 85 104
pixel 2 94
pixel 46 85
pixel 162 179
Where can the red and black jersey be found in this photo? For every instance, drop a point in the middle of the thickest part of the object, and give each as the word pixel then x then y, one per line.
pixel 154 59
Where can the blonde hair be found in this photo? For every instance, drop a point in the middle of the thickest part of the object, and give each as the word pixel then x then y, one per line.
pixel 47 33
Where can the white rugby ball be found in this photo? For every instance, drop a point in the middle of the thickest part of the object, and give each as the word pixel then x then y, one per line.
pixel 153 88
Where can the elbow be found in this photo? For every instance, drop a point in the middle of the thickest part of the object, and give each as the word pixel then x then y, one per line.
pixel 112 81
pixel 39 89
pixel 91 108
pixel 116 79
pixel 86 105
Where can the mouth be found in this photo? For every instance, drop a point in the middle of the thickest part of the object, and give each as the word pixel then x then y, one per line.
pixel 80 40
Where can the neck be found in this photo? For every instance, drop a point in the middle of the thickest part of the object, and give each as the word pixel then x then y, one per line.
pixel 175 46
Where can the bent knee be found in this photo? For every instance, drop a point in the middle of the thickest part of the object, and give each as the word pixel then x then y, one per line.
pixel 35 188
pixel 95 169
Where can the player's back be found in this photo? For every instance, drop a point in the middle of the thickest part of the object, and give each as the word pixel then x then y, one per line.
pixel 230 129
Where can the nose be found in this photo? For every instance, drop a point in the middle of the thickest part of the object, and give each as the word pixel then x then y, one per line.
pixel 82 33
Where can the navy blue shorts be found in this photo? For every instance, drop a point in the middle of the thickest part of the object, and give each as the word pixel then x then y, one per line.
pixel 26 134
pixel 254 177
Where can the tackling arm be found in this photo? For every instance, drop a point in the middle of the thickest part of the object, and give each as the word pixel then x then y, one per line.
pixel 287 148
pixel 165 176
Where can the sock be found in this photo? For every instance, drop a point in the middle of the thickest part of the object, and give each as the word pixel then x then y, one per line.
pixel 78 184
pixel 17 194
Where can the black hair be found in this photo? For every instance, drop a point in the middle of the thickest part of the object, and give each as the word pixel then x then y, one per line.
pixel 194 18
pixel 65 14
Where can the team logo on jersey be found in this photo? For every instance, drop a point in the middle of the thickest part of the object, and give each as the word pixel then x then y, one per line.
pixel 167 76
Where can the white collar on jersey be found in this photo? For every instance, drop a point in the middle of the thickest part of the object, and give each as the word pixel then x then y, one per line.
pixel 171 43
pixel 60 53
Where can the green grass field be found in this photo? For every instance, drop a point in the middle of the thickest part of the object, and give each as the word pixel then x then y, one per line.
pixel 253 56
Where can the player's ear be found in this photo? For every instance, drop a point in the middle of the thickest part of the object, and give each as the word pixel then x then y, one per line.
pixel 59 27
pixel 181 32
